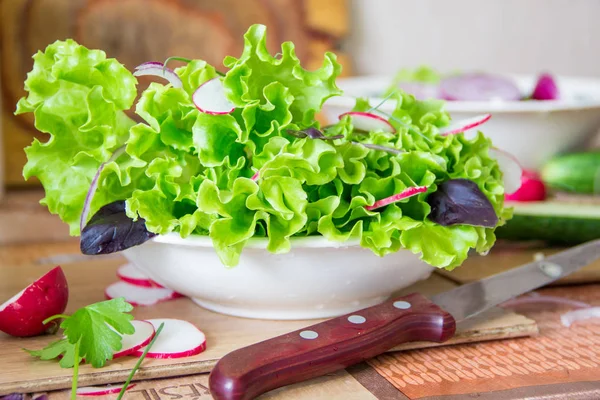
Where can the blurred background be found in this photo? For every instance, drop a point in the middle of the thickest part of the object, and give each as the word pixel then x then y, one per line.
pixel 369 36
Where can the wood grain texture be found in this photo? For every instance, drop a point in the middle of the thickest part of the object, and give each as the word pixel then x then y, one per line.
pixel 136 31
pixel 87 281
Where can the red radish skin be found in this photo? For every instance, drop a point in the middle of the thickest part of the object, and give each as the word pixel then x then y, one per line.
pixel 144 333
pixel 368 122
pixel 406 193
pixel 139 296
pixel 178 339
pixel 101 390
pixel 132 275
pixel 24 313
pixel 511 170
pixel 210 98
pixel 464 125
pixel 545 88
pixel 255 176
pixel 532 189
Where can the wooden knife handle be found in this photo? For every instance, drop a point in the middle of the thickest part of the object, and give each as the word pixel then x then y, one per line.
pixel 328 346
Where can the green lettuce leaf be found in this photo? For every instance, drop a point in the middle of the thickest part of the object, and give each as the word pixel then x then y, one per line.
pixel 246 174
pixel 77 97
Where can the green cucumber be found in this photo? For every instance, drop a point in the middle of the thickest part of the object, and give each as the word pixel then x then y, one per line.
pixel 555 222
pixel 574 173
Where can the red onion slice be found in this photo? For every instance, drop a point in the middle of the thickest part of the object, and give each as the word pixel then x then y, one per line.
pixel 154 68
pixel 94 186
pixel 479 87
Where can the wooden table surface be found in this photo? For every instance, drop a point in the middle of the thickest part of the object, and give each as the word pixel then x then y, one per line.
pixel 29 252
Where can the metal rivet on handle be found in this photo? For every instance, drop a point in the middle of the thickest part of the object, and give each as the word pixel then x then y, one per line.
pixel 309 335
pixel 357 319
pixel 403 305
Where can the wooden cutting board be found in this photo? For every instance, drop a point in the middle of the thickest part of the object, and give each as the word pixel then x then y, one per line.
pixel 87 280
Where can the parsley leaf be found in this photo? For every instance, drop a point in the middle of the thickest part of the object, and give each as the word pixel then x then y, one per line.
pixel 91 326
pixel 61 348
pixel 97 328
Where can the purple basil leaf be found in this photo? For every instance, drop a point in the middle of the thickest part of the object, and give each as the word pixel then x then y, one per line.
pixel 460 201
pixel 312 133
pixel 110 230
pixel 13 396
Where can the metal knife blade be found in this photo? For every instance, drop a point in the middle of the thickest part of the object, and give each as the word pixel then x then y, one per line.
pixel 473 298
pixel 337 343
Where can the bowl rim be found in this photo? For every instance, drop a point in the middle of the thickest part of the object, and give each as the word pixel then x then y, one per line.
pixel 174 238
pixel 346 101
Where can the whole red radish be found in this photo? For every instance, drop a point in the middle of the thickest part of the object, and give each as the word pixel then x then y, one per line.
pixel 24 313
pixel 532 188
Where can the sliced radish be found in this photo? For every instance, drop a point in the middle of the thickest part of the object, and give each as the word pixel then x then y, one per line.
pixel 532 188
pixel 131 274
pixel 511 170
pixel 139 296
pixel 464 125
pixel 100 390
pixel 154 68
pixel 178 339
pixel 369 122
pixel 210 98
pixel 406 193
pixel 144 333
pixel 479 87
pixel 94 186
pixel 571 317
pixel 23 314
pixel 255 176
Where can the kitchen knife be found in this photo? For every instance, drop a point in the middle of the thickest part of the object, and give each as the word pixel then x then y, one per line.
pixel 343 341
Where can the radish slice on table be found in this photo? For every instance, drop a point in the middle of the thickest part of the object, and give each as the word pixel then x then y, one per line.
pixel 464 125
pixel 178 339
pixel 571 317
pixel 94 186
pixel 545 88
pixel 100 390
pixel 368 122
pixel 143 335
pixel 532 188
pixel 511 170
pixel 130 274
pixel 479 87
pixel 406 193
pixel 139 296
pixel 210 98
pixel 24 313
pixel 158 69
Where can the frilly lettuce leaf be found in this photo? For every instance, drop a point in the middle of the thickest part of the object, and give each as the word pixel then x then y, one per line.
pixel 77 96
pixel 256 74
pixel 246 174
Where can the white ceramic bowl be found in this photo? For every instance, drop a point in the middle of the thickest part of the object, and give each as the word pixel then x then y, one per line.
pixel 316 279
pixel 533 131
